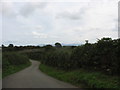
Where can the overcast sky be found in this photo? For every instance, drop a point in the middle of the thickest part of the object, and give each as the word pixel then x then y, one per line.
pixel 30 22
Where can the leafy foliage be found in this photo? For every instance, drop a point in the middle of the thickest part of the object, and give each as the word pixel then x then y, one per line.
pixel 100 56
pixel 58 45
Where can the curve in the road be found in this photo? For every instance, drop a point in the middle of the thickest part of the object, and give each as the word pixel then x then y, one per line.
pixel 32 77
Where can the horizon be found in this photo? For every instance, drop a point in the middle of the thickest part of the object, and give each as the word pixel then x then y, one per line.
pixel 63 44
pixel 74 44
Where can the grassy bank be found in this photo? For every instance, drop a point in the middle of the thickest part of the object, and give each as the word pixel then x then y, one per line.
pixel 82 78
pixel 13 62
pixel 13 69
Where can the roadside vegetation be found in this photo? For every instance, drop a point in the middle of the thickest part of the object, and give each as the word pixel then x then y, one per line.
pixel 82 78
pixel 13 62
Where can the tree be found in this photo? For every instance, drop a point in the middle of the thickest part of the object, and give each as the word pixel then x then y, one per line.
pixel 11 45
pixel 3 46
pixel 86 41
pixel 58 45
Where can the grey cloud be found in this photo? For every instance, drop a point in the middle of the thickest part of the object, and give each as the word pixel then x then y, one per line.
pixel 7 9
pixel 72 15
pixel 29 7
pixel 68 15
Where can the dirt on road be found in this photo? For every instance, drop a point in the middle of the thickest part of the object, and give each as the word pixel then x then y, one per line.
pixel 32 77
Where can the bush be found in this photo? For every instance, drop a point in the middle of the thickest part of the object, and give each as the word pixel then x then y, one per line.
pixel 102 56
pixel 14 58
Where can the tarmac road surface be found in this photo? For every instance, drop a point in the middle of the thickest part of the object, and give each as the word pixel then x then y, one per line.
pixel 32 77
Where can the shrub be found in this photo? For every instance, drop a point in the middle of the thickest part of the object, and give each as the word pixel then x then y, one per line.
pixel 13 58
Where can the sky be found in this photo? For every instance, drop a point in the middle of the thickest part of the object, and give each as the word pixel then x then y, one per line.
pixel 37 22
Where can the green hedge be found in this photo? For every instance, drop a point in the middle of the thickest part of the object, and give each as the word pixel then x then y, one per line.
pixel 101 56
pixel 13 62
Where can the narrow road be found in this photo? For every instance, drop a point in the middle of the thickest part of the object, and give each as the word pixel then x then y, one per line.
pixel 32 77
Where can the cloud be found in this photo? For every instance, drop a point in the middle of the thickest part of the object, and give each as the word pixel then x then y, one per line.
pixel 13 9
pixel 30 7
pixel 8 9
pixel 59 21
pixel 39 35
pixel 67 15
pixel 39 28
pixel 95 20
pixel 73 12
pixel 11 42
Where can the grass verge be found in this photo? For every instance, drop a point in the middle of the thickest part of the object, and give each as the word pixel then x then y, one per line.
pixel 82 78
pixel 13 69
